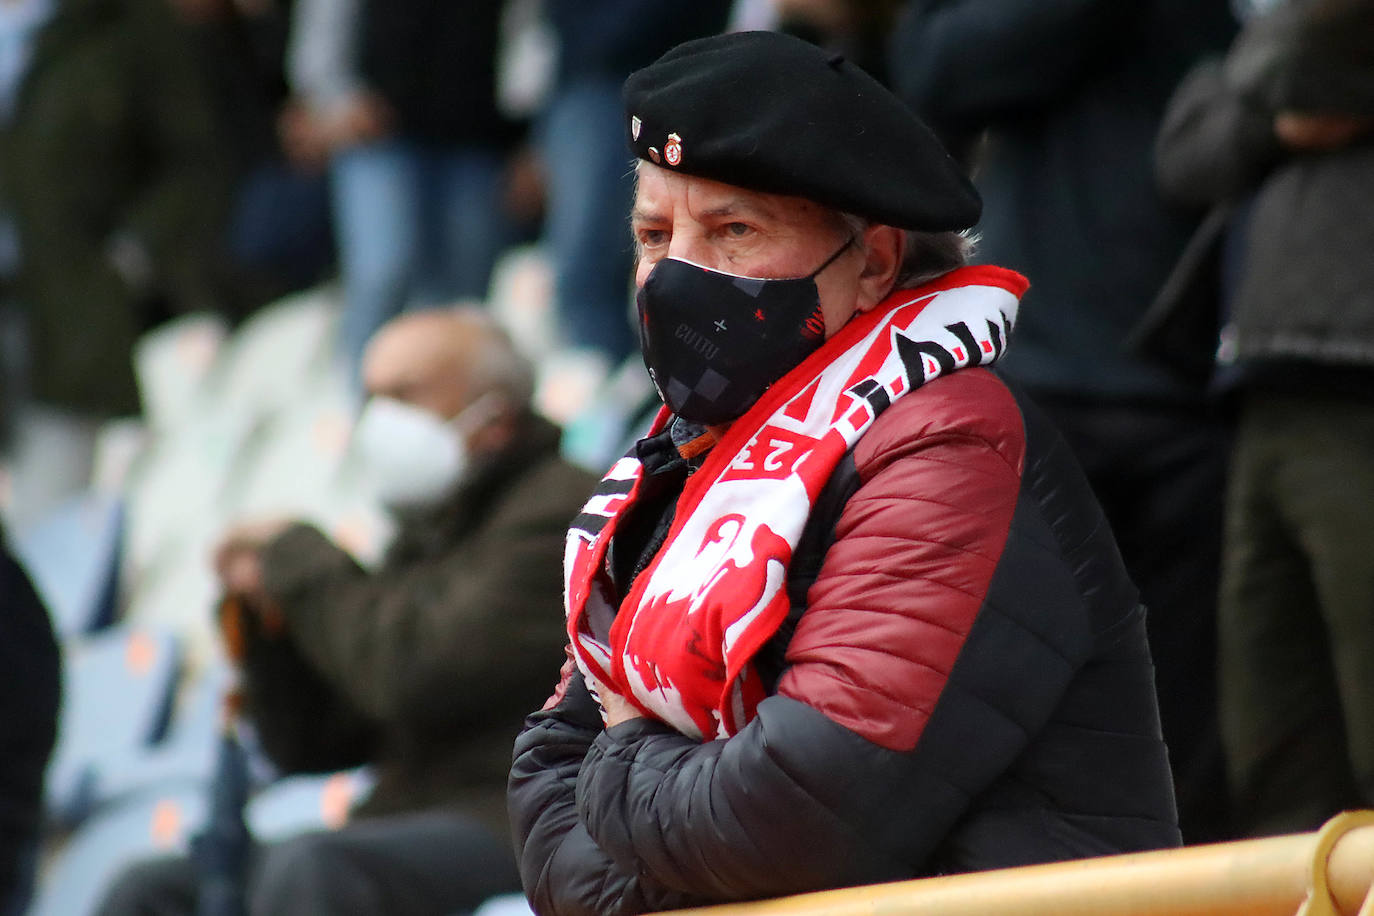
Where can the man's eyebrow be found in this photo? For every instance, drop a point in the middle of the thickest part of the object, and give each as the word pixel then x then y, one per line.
pixel 737 207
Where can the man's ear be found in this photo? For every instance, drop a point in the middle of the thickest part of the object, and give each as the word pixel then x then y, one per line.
pixel 883 248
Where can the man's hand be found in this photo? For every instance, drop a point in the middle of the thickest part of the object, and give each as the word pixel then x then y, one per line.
pixel 238 556
pixel 618 709
pixel 1310 133
pixel 303 136
pixel 361 118
pixel 309 137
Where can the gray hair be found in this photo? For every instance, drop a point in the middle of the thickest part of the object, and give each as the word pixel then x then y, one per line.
pixel 497 366
pixel 925 255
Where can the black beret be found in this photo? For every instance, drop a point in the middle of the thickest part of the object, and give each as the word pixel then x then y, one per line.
pixel 770 112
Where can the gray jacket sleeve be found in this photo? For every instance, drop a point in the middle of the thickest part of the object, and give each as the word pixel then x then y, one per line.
pixel 1216 140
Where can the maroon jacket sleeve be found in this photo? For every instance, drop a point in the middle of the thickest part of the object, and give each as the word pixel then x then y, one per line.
pixel 914 552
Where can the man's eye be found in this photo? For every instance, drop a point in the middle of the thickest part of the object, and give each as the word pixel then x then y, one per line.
pixel 737 230
pixel 652 238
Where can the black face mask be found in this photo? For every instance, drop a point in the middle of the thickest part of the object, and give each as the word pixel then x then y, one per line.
pixel 713 342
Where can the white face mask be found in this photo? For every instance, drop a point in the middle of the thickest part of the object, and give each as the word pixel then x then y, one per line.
pixel 411 456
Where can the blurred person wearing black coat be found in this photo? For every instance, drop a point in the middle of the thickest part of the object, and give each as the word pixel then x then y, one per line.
pixel 1056 106
pixel 29 700
pixel 1278 137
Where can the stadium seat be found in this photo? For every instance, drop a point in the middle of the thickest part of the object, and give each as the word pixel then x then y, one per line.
pixel 186 754
pixel 179 483
pixel 276 353
pixel 178 593
pixel 73 557
pixel 291 465
pixel 118 445
pixel 117 692
pixel 163 820
pixel 308 802
pixel 171 364
pixel 156 822
pixel 521 299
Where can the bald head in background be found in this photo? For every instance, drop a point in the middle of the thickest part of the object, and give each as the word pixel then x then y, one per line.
pixel 445 359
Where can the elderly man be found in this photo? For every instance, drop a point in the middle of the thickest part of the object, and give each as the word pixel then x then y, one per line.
pixel 423 667
pixel 850 612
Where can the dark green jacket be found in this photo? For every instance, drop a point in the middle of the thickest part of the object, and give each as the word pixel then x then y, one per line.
pixel 426 667
pixel 111 136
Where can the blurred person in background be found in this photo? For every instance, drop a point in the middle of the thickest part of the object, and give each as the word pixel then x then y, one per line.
pixel 1056 107
pixel 421 668
pixel 588 175
pixel 277 237
pixel 111 194
pixel 1278 137
pixel 31 668
pixel 858 29
pixel 399 98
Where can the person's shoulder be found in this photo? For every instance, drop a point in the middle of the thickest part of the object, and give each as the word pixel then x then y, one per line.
pixel 572 479
pixel 550 484
pixel 971 404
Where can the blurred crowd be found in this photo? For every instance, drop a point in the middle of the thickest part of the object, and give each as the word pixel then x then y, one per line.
pixel 1188 185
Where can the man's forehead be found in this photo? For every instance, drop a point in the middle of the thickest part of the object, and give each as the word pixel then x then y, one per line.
pixel 660 194
pixel 410 354
pixel 385 372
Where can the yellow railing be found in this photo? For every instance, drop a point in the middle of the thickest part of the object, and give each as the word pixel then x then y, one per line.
pixel 1326 873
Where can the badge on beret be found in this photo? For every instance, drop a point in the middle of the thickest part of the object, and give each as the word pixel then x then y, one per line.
pixel 635 124
pixel 672 150
pixel 653 154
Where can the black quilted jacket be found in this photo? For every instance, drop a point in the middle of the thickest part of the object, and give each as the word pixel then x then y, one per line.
pixel 968 686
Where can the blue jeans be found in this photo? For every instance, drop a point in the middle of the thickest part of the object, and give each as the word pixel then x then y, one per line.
pixel 586 228
pixel 416 225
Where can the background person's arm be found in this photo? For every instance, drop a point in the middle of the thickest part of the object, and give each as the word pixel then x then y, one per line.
pixel 476 627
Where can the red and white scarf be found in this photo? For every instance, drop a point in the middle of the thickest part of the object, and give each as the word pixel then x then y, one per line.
pixel 682 639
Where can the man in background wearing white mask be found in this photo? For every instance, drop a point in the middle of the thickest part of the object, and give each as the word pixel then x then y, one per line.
pixel 423 667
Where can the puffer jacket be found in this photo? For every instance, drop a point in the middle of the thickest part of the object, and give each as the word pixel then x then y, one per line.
pixel 968 686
